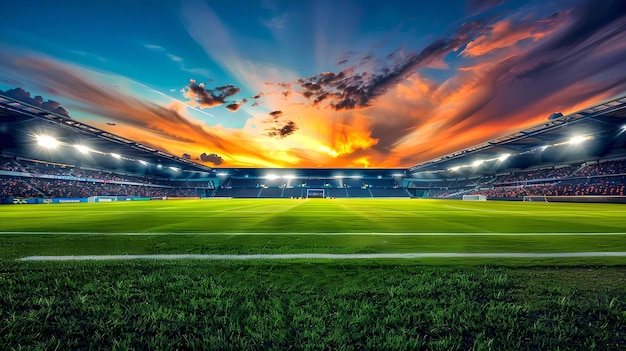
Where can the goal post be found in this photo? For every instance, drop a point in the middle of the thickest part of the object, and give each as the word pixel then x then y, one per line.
pixel 315 193
pixel 540 198
pixel 474 198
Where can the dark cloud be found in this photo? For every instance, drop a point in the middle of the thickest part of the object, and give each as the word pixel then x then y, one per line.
pixel 354 88
pixel 283 131
pixel 24 96
pixel 187 156
pixel 234 106
pixel 589 18
pixel 276 114
pixel 258 96
pixel 212 158
pixel 209 97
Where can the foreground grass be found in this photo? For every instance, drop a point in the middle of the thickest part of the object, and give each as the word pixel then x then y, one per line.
pixel 265 305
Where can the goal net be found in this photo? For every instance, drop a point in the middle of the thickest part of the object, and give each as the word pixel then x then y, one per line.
pixel 474 198
pixel 102 199
pixel 541 198
pixel 315 193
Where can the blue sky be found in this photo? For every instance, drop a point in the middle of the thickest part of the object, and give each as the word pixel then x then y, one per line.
pixel 314 83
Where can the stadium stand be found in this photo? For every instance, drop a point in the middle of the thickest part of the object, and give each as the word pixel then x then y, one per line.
pixel 40 179
pixel 606 178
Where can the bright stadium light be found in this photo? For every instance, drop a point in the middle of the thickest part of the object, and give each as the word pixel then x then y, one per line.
pixel 82 148
pixel 143 162
pixel 222 174
pixel 577 140
pixel 116 156
pixel 454 169
pixel 503 157
pixel 477 163
pixel 544 147
pixel 47 141
pixel 272 176
pixel 289 176
pixel 174 169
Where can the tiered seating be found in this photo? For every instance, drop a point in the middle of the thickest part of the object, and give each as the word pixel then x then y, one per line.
pixel 271 192
pixel 358 192
pixel 237 192
pixel 389 192
pixel 337 192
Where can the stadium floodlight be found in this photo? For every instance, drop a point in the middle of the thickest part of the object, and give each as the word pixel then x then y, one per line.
pixel 477 163
pixel 82 148
pixel 174 169
pixel 272 176
pixel 503 157
pixel 116 156
pixel 544 147
pixel 454 169
pixel 222 174
pixel 289 176
pixel 577 140
pixel 47 141
pixel 143 162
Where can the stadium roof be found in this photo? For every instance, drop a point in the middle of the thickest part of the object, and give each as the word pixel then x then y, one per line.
pixel 598 132
pixel 21 123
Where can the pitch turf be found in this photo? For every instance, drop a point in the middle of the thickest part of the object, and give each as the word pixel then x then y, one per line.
pixel 320 226
pixel 448 304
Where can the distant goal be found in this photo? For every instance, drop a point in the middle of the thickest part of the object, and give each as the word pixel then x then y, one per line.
pixel 315 193
pixel 474 198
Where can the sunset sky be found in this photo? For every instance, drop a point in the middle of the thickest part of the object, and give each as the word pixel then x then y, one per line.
pixel 314 83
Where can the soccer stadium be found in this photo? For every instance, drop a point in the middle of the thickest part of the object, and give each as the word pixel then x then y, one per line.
pixel 463 193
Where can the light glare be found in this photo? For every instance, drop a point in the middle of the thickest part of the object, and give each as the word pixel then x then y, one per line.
pixel 577 140
pixel 117 156
pixel 503 157
pixel 47 141
pixel 82 148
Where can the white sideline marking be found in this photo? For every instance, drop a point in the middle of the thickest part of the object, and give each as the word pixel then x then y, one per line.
pixel 327 256
pixel 322 234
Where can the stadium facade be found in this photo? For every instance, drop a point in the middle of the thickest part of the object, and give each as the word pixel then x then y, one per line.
pixel 576 157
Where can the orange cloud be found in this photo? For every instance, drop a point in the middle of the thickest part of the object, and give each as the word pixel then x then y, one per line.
pixel 506 34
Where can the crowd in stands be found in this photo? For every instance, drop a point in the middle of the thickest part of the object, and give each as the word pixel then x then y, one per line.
pixel 536 174
pixel 604 168
pixel 595 178
pixel 89 182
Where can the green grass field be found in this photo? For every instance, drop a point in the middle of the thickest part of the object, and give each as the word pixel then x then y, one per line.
pixel 335 302
pixel 244 227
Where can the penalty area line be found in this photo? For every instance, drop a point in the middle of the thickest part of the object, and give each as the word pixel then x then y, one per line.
pixel 326 256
